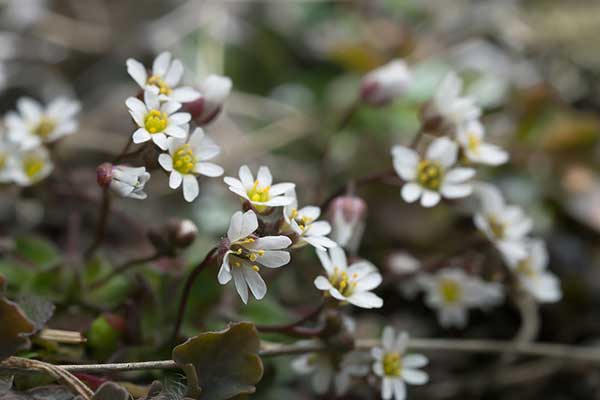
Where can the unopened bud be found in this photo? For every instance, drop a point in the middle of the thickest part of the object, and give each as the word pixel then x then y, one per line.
pixel 104 174
pixel 385 84
pixel 182 233
pixel 347 215
pixel 214 90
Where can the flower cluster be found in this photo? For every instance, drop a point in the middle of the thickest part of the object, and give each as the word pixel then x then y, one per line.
pixel 29 135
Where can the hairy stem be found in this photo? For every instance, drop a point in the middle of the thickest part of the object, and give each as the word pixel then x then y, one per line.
pixel 101 226
pixel 210 256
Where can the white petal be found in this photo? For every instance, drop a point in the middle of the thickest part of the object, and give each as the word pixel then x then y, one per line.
pixel 405 162
pixel 141 135
pixel 264 177
pixel 240 284
pixel 274 258
pixel 174 73
pixel 224 275
pixel 179 118
pixel 271 243
pixel 458 175
pixel 137 109
pixel 160 139
pixel 399 390
pixel 414 376
pixel 411 192
pixel 387 388
pixel 325 261
pixel 166 162
pixel 414 361
pixel 161 64
pixel 175 179
pixel 185 94
pixel 338 258
pixel 208 169
pixel 246 177
pixel 365 300
pixel 255 283
pixel 430 198
pixel 319 228
pixel 190 188
pixel 30 109
pixel 452 191
pixel 249 223
pixel 322 283
pixel 137 71
pixel 388 338
pixel 281 188
pixel 443 150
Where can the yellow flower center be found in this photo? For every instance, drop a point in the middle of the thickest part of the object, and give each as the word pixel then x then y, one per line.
pixel 392 364
pixel 242 253
pixel 259 195
pixel 524 267
pixel 163 88
pixel 343 282
pixel 156 121
pixel 430 174
pixel 450 290
pixel 184 160
pixel 32 165
pixel 496 226
pixel 44 128
pixel 473 143
pixel 303 222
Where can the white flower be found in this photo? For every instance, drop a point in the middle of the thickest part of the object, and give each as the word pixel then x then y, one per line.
pixel 431 178
pixel 9 161
pixel 156 120
pixel 303 222
pixel 385 83
pixel 214 90
pixel 129 181
pixel 325 372
pixel 470 137
pixel 34 124
pixel 31 166
pixel 347 215
pixel 259 192
pixel 454 109
pixel 247 253
pixel 186 159
pixel 352 284
pixel 505 226
pixel 452 292
pixel 165 76
pixel 395 367
pixel 532 274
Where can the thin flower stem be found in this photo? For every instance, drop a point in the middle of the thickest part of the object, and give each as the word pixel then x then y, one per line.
pixel 379 176
pixel 210 257
pixel 124 267
pixel 551 350
pixel 287 327
pixel 101 226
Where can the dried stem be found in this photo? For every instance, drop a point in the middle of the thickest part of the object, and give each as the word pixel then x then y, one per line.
pixel 550 350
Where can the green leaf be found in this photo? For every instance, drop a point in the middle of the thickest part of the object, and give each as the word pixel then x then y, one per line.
pixel 103 338
pixel 37 309
pixel 15 326
pixel 111 391
pixel 221 365
pixel 38 251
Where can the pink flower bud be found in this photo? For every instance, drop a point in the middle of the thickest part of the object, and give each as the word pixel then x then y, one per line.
pixel 347 215
pixel 104 174
pixel 214 90
pixel 386 83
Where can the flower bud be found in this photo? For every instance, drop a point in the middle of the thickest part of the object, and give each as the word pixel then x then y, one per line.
pixel 347 215
pixel 214 90
pixel 125 181
pixel 182 232
pixel 386 83
pixel 104 174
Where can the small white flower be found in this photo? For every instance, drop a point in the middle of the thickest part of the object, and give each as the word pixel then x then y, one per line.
pixel 214 90
pixel 532 274
pixel 31 166
pixel 451 106
pixel 187 159
pixel 431 178
pixel 34 124
pixel 325 372
pixel 260 193
pixel 470 137
pixel 129 181
pixel 505 226
pixel 395 367
pixel 246 253
pixel 157 120
pixel 352 284
pixel 303 222
pixel 9 161
pixel 452 292
pixel 164 78
pixel 347 215
pixel 384 84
